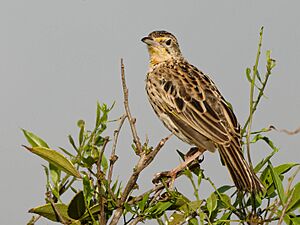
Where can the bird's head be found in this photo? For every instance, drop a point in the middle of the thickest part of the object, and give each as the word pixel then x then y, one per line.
pixel 162 46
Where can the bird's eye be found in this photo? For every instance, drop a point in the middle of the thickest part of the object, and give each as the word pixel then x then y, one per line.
pixel 168 42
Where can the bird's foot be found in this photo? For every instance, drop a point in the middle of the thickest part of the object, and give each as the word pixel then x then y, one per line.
pixel 191 156
pixel 167 175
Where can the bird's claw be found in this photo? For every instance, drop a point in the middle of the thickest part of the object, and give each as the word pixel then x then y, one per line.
pixel 159 176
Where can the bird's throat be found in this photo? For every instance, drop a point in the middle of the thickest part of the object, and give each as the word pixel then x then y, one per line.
pixel 158 55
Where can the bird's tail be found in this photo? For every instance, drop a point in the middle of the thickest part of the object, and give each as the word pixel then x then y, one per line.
pixel 242 175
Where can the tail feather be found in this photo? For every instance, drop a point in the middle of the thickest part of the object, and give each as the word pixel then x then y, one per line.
pixel 242 175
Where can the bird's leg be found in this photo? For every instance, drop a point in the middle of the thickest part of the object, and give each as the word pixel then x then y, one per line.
pixel 192 154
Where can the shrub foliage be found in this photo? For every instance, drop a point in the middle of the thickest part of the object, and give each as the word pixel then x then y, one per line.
pixel 85 171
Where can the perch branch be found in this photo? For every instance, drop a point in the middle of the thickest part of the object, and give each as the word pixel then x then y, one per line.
pixel 144 158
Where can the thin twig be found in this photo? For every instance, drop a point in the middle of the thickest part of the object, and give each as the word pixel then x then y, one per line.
pixel 136 220
pixel 143 162
pixel 153 153
pixel 285 208
pixel 157 194
pixel 273 209
pixel 291 179
pixel 131 120
pixel 34 219
pixel 252 96
pixel 288 132
pixel 113 156
pixel 155 189
pixel 57 213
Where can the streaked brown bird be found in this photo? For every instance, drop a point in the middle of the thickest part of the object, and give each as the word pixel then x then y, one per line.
pixel 189 104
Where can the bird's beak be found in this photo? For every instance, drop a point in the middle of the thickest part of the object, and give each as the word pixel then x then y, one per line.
pixel 149 41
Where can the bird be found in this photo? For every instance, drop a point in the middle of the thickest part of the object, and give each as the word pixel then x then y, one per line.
pixel 190 105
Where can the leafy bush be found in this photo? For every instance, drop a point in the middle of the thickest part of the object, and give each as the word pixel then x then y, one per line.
pixel 98 199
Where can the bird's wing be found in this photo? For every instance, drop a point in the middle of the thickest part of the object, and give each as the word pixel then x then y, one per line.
pixel 194 103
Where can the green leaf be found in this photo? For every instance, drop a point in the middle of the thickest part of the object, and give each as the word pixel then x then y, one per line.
pixel 267 180
pixel 176 218
pixel 104 113
pixel 265 139
pixel 263 130
pixel 158 208
pixel 248 74
pixel 259 78
pixel 261 164
pixel 278 183
pixel 184 212
pixel 224 188
pixel 200 176
pixel 98 113
pixel 264 161
pixel 290 218
pixel 46 170
pixel 226 216
pixel 66 152
pixel 88 190
pixel 104 164
pixel 178 199
pixel 202 216
pixel 55 174
pixel 225 200
pixel 160 222
pixel 94 210
pixel 34 140
pixel 295 201
pixel 77 207
pixel 143 202
pixel 71 140
pixel 48 212
pixel 194 205
pixel 295 220
pixel 211 203
pixel 271 63
pixel 88 162
pixel 283 168
pixel 81 125
pixel 193 221
pixel 190 207
pixel 55 158
pixel 188 173
pixel 129 208
pixel 55 177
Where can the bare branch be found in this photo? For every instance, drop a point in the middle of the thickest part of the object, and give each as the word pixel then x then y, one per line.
pixel 152 154
pixel 289 132
pixel 113 156
pixel 143 162
pixel 136 220
pixel 144 158
pixel 131 120
pixel 285 208
pixel 34 219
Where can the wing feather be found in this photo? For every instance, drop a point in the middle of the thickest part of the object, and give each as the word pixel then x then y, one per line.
pixel 198 105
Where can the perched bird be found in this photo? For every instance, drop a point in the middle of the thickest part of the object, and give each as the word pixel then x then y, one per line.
pixel 189 104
